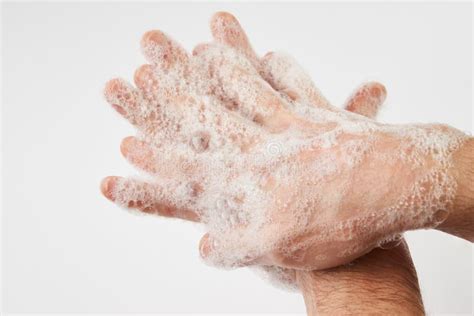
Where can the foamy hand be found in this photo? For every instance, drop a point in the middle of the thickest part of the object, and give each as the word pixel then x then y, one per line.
pixel 276 179
pixel 297 85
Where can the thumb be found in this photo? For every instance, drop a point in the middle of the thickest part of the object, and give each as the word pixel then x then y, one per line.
pixel 367 99
pixel 218 253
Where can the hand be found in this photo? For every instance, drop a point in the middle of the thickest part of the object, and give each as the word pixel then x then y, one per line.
pixel 366 100
pixel 282 186
pixel 226 30
pixel 287 77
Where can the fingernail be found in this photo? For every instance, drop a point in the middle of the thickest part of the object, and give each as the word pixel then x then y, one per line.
pixel 119 109
pixel 106 187
pixel 205 246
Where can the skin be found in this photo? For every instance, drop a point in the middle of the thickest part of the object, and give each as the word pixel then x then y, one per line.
pixel 365 101
pixel 383 282
pixel 460 221
pixel 367 285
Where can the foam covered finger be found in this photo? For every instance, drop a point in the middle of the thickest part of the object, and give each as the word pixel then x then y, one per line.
pixel 161 50
pixel 122 97
pixel 160 87
pixel 227 30
pixel 228 252
pixel 143 196
pixel 367 99
pixel 237 83
pixel 287 76
pixel 146 81
pixel 138 153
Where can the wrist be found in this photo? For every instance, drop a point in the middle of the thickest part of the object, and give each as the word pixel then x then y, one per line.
pixel 460 221
pixel 437 162
pixel 381 282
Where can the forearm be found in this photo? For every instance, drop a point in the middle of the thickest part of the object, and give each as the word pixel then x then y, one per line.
pixel 460 221
pixel 381 282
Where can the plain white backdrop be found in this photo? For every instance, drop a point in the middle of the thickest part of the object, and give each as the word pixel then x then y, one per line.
pixel 65 248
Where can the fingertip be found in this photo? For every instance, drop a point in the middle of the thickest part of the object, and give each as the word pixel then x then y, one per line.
pixel 222 18
pixel 160 49
pixel 143 76
pixel 378 90
pixel 155 47
pixel 367 99
pixel 156 37
pixel 223 15
pixel 107 186
pixel 226 29
pixel 200 48
pixel 112 87
pixel 126 144
pixel 266 63
pixel 118 93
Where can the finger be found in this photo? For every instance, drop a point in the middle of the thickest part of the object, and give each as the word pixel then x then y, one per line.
pixel 164 160
pixel 169 101
pixel 123 98
pixel 226 30
pixel 224 252
pixel 159 87
pixel 145 197
pixel 146 81
pixel 285 75
pixel 161 50
pixel 233 79
pixel 139 154
pixel 367 99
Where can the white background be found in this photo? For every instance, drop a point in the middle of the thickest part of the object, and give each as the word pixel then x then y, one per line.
pixel 65 248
